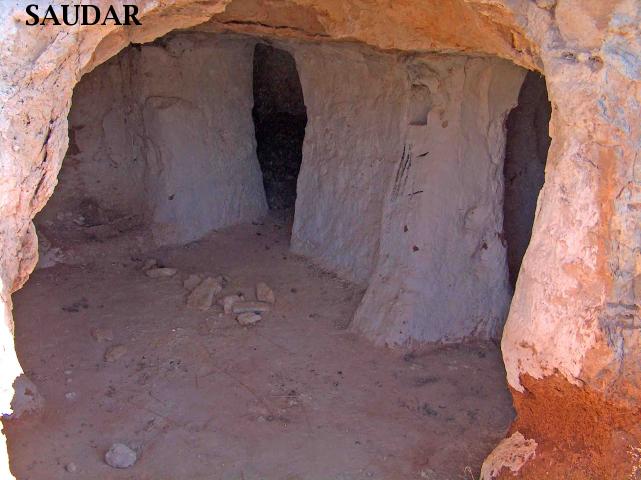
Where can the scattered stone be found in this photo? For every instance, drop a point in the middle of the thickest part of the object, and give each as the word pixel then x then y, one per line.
pixel 202 296
pixel 512 453
pixel 120 456
pixel 71 467
pixel 26 398
pixel 264 293
pixel 48 255
pixel 256 307
pixel 160 272
pixel 101 335
pixel 248 318
pixel 228 301
pixel 192 281
pixel 115 353
pixel 149 263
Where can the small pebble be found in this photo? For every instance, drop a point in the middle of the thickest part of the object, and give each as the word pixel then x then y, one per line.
pixel 264 293
pixel 202 296
pixel 228 301
pixel 248 318
pixel 149 263
pixel 115 353
pixel 256 307
pixel 192 281
pixel 120 456
pixel 102 334
pixel 160 272
pixel 71 467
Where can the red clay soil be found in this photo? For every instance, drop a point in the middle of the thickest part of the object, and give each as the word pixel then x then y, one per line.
pixel 580 434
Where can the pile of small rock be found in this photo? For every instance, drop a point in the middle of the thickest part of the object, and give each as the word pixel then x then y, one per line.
pixel 203 295
pixel 205 291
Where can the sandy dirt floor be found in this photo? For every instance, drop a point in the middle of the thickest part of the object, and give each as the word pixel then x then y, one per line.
pixel 295 397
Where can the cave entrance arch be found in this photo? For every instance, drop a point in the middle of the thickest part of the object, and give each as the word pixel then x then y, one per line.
pixel 280 118
pixel 39 144
pixel 213 127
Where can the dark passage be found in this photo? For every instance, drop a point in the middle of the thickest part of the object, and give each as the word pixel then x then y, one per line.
pixel 280 118
pixel 526 152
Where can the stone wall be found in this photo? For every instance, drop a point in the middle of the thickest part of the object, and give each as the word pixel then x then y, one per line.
pixel 355 100
pixel 441 272
pixel 163 133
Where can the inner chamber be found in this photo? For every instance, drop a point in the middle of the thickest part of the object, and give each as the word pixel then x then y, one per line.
pixel 280 118
pixel 179 153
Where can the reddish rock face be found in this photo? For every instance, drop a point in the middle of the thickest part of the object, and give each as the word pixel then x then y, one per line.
pixel 571 342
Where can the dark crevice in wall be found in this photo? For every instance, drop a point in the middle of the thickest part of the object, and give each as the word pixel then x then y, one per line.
pixel 526 152
pixel 280 118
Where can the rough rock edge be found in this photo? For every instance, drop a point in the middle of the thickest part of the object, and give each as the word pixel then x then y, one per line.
pixel 513 452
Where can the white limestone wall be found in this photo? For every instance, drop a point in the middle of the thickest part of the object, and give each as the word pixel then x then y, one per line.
pixel 104 162
pixel 164 131
pixel 199 132
pixel 441 272
pixel 401 186
pixel 355 102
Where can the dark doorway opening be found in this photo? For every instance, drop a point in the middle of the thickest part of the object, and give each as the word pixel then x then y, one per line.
pixel 526 152
pixel 280 118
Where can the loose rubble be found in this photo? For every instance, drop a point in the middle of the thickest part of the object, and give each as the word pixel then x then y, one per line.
pixel 228 301
pixel 255 307
pixel 202 297
pixel 264 293
pixel 192 281
pixel 248 318
pixel 149 263
pixel 101 335
pixel 161 272
pixel 115 353
pixel 120 456
pixel 26 398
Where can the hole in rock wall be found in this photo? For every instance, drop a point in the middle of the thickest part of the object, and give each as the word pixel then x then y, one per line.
pixel 420 104
pixel 187 328
pixel 526 153
pixel 280 118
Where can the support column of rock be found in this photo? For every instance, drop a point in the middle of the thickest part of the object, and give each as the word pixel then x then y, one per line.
pixel 355 98
pixel 571 344
pixel 442 273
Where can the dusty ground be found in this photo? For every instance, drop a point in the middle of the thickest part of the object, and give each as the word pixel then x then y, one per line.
pixel 295 397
